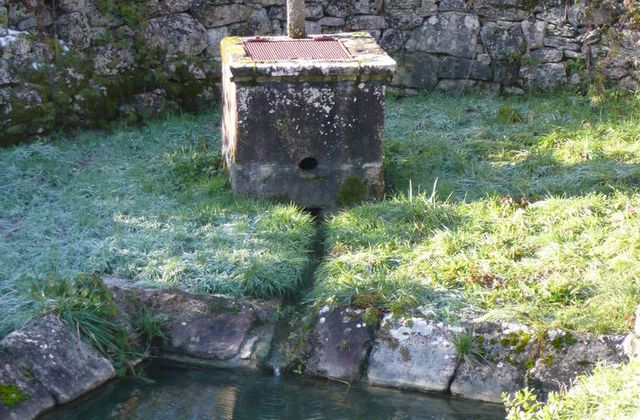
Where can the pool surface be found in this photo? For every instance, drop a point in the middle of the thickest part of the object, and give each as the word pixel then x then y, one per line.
pixel 172 392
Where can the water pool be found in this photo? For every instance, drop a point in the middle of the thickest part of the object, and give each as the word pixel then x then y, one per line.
pixel 174 392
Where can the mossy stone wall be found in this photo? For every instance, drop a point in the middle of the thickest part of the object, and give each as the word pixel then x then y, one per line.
pixel 69 64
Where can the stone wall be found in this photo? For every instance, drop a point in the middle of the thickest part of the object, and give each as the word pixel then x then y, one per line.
pixel 73 63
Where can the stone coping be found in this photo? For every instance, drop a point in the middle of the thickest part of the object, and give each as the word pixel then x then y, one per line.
pixel 369 62
pixel 51 365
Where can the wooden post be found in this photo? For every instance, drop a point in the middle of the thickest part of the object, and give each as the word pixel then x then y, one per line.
pixel 295 19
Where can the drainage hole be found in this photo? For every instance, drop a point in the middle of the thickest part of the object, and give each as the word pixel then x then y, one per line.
pixel 308 164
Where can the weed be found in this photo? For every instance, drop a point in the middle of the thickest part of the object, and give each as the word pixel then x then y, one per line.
pixel 508 115
pixel 468 347
pixel 149 327
pixel 522 405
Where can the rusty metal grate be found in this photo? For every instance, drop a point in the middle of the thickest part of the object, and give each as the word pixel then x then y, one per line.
pixel 324 48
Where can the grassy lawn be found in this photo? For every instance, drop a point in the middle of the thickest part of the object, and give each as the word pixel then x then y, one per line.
pixel 149 204
pixel 513 209
pixel 518 208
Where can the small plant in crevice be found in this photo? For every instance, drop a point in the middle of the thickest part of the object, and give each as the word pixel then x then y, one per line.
pixel 150 329
pixel 468 347
pixel 297 345
pixel 371 316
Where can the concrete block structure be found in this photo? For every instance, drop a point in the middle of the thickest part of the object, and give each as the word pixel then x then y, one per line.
pixel 303 120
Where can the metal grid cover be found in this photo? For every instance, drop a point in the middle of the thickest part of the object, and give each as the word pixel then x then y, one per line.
pixel 296 49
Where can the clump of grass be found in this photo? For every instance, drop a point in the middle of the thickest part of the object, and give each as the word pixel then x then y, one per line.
pixel 193 163
pixel 85 304
pixel 508 115
pixel 149 328
pixel 610 392
pixel 468 347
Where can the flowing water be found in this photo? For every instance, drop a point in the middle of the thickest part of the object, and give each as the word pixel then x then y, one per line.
pixel 176 393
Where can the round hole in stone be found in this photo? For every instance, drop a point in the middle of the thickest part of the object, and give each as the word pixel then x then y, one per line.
pixel 308 164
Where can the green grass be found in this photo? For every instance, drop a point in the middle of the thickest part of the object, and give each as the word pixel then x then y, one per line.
pixel 150 204
pixel 611 392
pixel 536 220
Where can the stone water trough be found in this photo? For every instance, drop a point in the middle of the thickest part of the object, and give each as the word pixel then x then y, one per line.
pixel 303 117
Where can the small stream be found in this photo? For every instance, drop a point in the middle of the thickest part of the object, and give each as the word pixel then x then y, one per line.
pixel 173 392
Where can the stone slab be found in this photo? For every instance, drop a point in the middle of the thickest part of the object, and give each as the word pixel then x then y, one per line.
pixel 64 364
pixel 36 398
pixel 412 354
pixel 340 343
pixel 211 330
pixel 498 365
pixel 567 355
pixel 369 62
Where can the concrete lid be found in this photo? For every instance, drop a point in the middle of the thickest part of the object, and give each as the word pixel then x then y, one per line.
pixel 368 61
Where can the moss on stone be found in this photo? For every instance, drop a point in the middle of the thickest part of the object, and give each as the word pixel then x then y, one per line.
pixel 73 96
pixel 563 340
pixel 353 191
pixel 528 5
pixel 11 395
pixel 517 340
pixel 529 363
pixel 4 17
